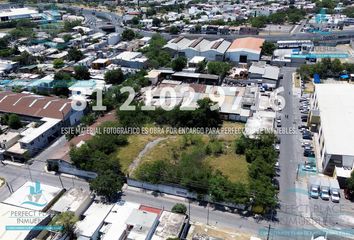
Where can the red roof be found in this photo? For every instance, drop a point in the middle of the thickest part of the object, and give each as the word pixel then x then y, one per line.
pixel 34 105
pixel 250 43
pixel 150 209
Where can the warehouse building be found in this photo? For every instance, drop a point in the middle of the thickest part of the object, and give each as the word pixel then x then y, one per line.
pixel 189 48
pixel 244 50
pixel 16 13
pixel 332 114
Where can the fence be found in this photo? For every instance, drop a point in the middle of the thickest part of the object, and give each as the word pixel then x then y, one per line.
pixel 179 191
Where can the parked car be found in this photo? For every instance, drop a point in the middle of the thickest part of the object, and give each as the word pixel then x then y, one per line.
pixel 306 136
pixel 309 153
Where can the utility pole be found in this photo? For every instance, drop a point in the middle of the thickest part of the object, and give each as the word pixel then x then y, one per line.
pixel 268 232
pixel 29 170
pixel 61 182
pixel 208 214
pixel 189 210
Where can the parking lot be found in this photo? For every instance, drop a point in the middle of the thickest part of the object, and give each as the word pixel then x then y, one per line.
pixel 324 210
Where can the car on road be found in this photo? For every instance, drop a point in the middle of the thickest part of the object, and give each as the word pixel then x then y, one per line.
pixel 303 127
pixel 307 137
pixel 275 183
pixel 309 153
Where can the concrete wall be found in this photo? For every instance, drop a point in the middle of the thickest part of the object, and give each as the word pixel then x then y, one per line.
pixel 173 190
pixel 177 191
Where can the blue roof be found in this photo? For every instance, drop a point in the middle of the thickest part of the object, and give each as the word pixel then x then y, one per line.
pixel 84 83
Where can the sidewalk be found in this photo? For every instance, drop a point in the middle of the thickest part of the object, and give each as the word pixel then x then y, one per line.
pixel 140 190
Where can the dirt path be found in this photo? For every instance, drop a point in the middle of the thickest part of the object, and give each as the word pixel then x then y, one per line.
pixel 147 148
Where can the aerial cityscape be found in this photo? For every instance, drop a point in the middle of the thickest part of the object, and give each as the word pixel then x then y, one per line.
pixel 176 120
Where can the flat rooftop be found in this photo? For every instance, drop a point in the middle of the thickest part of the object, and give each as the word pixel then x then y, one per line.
pixel 336 106
pixel 170 226
pixel 9 217
pixel 71 200
pixel 33 196
pixel 115 221
pixel 94 217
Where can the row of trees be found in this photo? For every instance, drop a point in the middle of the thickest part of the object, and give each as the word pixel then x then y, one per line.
pixel 157 56
pixel 203 116
pixel 325 68
pixel 12 120
pixel 97 155
pixel 292 15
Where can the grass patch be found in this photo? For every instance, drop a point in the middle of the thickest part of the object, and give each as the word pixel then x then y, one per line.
pixel 297 80
pixel 128 153
pixel 309 87
pixel 229 163
pixel 232 165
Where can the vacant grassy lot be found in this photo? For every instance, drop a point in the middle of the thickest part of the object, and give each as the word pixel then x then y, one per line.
pixel 229 163
pixel 128 153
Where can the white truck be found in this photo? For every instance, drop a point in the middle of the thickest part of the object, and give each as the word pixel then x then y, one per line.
pixel 313 186
pixel 324 188
pixel 334 190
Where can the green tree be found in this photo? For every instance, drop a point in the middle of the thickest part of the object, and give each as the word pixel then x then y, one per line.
pixel 14 121
pixel 294 18
pixel 153 172
pixel 115 76
pixel 107 184
pixel 67 220
pixel 174 30
pixel 75 55
pixel 277 18
pixel 156 22
pixel 62 76
pixel 69 25
pixel 58 63
pixel 201 66
pixel 135 20
pixel 155 53
pixel 67 37
pixel 218 68
pixel 81 73
pixel 25 59
pixel 179 208
pixel 268 48
pixel 259 22
pixel 198 28
pixel 349 12
pixel 179 63
pixel 128 35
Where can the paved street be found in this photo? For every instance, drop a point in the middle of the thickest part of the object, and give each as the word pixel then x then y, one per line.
pixel 289 158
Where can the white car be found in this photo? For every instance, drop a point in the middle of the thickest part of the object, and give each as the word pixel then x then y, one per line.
pixel 335 197
pixel 324 195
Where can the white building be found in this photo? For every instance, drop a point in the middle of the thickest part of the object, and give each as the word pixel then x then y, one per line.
pixel 114 226
pixel 141 225
pixel 131 60
pixel 16 13
pixel 170 226
pixel 34 196
pixel 74 200
pixel 17 227
pixel 88 228
pixel 332 112
pixel 245 50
